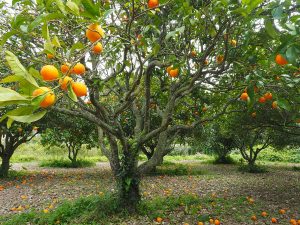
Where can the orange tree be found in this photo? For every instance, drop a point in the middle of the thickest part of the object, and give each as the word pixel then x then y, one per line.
pixel 71 132
pixel 182 46
pixel 10 139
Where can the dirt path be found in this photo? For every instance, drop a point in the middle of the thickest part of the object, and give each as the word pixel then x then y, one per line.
pixel 46 187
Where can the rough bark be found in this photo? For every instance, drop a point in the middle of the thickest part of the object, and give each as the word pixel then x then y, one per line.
pixel 4 166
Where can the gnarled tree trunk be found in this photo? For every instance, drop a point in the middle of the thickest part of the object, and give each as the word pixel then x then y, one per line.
pixel 4 165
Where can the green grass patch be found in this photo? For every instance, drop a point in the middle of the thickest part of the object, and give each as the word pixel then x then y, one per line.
pixel 176 169
pixel 62 163
pixel 101 209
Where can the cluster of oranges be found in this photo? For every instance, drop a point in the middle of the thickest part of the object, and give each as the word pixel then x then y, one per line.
pixel 173 72
pixel 50 73
pixel 275 220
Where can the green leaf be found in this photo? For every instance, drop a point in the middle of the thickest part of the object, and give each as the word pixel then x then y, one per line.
pixel 5 37
pixel 35 73
pixel 20 111
pixel 11 79
pixel 48 46
pixel 18 68
pixel 270 29
pixel 90 7
pixel 9 95
pixel 61 6
pixel 45 32
pixel 73 7
pixel 283 103
pixel 71 93
pixel 29 118
pixel 292 54
pixel 277 12
pixel 56 42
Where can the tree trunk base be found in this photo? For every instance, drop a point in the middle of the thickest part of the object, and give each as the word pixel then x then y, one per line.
pixel 4 168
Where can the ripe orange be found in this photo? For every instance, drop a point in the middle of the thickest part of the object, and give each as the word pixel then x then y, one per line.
pixel 50 56
pixel 204 109
pixel 49 73
pixel 217 222
pixel 206 62
pixel 244 96
pixel 64 68
pixel 253 218
pixel 282 211
pixel 264 214
pixel 94 32
pixel 293 222
pixel 64 82
pixel 79 89
pixel 174 73
pixel 48 100
pixel 274 105
pixel 274 220
pixel 262 100
pixel 278 78
pixel 193 53
pixel 268 96
pixel 280 60
pixel 211 221
pixel 220 59
pixel 153 4
pixel 98 48
pixel 233 42
pixel 253 114
pixel 298 222
pixel 159 220
pixel 169 68
pixel 79 69
pixel 200 223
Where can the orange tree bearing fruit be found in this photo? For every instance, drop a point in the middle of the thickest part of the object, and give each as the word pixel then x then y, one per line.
pixel 253 218
pixel 268 96
pixel 262 100
pixel 274 105
pixel 274 220
pixel 220 59
pixel 50 56
pixel 169 68
pixel 174 73
pixel 264 214
pixel 79 89
pixel 49 73
pixel 49 99
pixel 233 42
pixel 64 68
pixel 94 32
pixel 153 4
pixel 193 53
pixel 64 82
pixel 98 48
pixel 281 211
pixel 280 60
pixel 79 69
pixel 244 96
pixel 293 222
pixel 217 222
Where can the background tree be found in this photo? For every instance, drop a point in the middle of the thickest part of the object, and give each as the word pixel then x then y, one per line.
pixel 66 131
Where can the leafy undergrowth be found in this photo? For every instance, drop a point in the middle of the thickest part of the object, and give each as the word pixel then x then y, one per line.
pixel 188 209
pixel 67 163
pixel 177 169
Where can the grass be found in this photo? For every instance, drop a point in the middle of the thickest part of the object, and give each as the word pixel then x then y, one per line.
pixel 62 163
pixel 177 169
pixel 98 209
